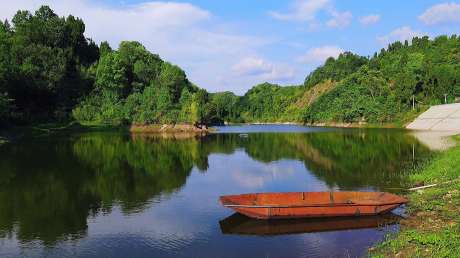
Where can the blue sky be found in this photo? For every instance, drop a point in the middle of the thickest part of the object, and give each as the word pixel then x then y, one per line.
pixel 234 44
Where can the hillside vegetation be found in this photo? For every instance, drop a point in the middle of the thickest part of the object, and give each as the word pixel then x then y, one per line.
pixel 382 90
pixel 49 71
pixel 376 90
pixel 271 103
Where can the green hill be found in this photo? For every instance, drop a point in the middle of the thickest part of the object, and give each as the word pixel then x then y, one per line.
pixel 375 90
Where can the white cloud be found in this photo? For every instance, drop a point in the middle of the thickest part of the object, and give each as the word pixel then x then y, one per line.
pixel 263 70
pixel 159 14
pixel 302 10
pixel 399 34
pixel 320 54
pixel 252 66
pixel 339 19
pixel 308 10
pixel 441 13
pixel 280 74
pixel 369 19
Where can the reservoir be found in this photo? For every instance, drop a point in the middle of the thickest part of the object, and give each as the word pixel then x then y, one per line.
pixel 112 194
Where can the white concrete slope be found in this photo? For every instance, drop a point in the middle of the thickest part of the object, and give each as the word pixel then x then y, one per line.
pixel 438 118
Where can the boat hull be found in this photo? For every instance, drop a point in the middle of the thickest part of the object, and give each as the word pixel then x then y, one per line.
pixel 314 212
pixel 312 205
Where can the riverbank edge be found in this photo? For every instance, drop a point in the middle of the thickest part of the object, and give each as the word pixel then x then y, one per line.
pixel 14 133
pixel 329 124
pixel 432 227
pixel 398 123
pixel 170 128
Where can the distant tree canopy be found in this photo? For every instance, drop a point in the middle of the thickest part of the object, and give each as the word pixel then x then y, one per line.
pixel 49 71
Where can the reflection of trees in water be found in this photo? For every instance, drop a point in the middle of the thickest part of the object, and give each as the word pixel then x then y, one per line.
pixel 348 159
pixel 133 171
pixel 40 192
pixel 367 159
pixel 63 182
pixel 48 187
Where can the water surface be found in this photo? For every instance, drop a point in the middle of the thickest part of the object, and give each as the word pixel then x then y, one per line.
pixel 117 195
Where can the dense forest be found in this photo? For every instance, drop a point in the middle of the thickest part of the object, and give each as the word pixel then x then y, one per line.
pixel 50 72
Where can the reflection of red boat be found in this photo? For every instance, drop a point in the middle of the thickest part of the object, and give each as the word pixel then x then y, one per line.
pixel 241 225
pixel 312 204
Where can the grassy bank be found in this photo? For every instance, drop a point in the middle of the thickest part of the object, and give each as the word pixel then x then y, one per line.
pixel 432 228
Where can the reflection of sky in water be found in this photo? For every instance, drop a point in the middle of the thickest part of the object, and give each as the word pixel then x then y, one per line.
pixel 185 223
pixel 246 174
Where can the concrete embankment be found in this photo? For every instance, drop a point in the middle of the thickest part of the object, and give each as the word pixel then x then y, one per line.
pixel 436 125
pixel 438 118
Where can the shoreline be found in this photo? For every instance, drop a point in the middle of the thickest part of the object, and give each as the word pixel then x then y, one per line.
pixel 433 223
pixel 325 124
pixel 14 133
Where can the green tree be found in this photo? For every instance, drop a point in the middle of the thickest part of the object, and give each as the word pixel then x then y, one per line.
pixel 185 103
pixel 199 109
pixel 173 78
pixel 336 69
pixel 226 106
pixel 105 48
pixel 43 57
pixel 111 74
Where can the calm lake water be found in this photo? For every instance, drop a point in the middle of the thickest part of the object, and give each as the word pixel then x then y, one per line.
pixel 116 195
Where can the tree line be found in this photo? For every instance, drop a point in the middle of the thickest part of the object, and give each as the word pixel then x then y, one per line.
pixel 49 71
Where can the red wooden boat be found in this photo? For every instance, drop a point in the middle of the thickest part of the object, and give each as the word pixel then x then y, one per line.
pixel 312 204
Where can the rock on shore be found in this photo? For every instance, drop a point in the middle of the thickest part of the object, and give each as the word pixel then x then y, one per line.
pixel 169 128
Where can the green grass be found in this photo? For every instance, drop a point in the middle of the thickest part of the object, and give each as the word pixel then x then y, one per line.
pixel 433 226
pixel 445 167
